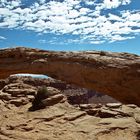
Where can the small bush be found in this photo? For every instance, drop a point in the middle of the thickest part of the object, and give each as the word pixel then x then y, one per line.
pixel 42 93
pixel 102 53
pixel 37 103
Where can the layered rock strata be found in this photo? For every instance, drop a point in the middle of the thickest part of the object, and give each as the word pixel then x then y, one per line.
pixel 114 74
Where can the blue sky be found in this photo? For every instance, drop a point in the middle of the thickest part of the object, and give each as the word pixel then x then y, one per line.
pixel 111 25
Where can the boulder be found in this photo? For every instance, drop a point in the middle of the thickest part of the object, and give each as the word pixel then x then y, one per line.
pixel 17 94
pixel 131 105
pixel 104 113
pixel 19 101
pixel 49 101
pixel 52 91
pixel 53 100
pixel 19 89
pixel 5 96
pixel 113 105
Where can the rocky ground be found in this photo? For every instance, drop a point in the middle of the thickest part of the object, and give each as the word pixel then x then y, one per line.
pixel 62 117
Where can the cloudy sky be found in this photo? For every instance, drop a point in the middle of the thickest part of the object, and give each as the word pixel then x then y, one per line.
pixel 112 25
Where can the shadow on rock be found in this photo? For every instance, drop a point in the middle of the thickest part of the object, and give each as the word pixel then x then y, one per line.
pixel 46 98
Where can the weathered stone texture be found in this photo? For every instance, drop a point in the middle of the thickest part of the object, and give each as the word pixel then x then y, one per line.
pixel 114 74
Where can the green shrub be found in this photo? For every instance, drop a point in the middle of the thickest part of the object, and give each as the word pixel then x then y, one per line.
pixel 37 103
pixel 42 93
pixel 102 53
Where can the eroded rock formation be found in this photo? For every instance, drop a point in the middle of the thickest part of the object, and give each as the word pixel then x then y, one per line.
pixel 114 74
pixel 20 90
pixel 22 117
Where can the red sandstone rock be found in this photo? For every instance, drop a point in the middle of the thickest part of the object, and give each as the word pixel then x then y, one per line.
pixel 114 74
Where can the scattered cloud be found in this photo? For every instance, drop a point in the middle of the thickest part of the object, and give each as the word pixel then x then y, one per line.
pixel 71 17
pixel 2 38
pixel 109 4
pixel 97 42
pixel 42 41
pixel 119 38
pixel 10 4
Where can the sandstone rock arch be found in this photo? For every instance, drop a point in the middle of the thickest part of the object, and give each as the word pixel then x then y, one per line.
pixel 114 74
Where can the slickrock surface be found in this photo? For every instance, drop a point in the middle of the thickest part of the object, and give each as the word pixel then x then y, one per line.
pixel 114 74
pixel 62 121
pixel 58 120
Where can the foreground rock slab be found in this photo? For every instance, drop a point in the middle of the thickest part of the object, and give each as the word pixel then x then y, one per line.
pixel 58 120
pixel 63 121
pixel 114 74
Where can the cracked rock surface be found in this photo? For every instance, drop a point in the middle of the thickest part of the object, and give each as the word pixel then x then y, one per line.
pixel 59 120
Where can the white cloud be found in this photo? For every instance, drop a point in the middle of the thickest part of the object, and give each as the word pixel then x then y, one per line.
pixel 89 2
pixel 2 38
pixel 97 42
pixel 133 17
pixel 125 2
pixel 111 3
pixel 84 11
pixel 5 12
pixel 42 1
pixel 108 4
pixel 42 41
pixel 69 17
pixel 10 4
pixel 119 38
pixel 114 17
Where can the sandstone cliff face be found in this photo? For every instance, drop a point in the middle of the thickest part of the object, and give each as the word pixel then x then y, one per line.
pixel 114 74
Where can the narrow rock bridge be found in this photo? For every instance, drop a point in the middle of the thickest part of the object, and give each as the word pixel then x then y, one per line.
pixel 114 74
